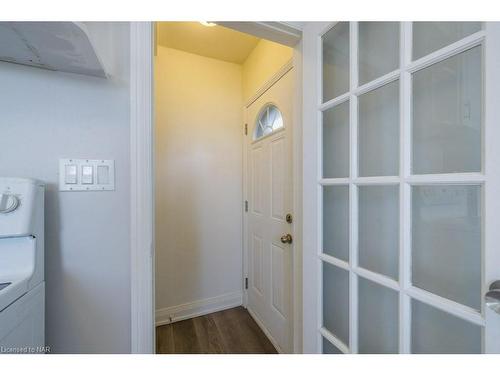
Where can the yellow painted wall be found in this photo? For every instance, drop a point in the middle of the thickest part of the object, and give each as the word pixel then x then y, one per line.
pixel 262 63
pixel 198 155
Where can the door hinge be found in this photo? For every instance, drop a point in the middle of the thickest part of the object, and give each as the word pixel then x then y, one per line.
pixel 246 129
pixel 246 282
pixel 246 206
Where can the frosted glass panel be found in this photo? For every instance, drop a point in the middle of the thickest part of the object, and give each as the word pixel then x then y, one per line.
pixel 336 141
pixel 379 131
pixel 447 115
pixel 446 241
pixel 329 348
pixel 378 49
pixel 270 119
pixel 431 36
pixel 436 332
pixel 336 61
pixel 378 318
pixel 336 301
pixel 379 229
pixel 336 221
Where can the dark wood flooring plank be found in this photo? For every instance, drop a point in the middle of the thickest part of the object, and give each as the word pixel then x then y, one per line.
pixel 164 339
pixel 208 335
pixel 185 340
pixel 260 337
pixel 231 331
pixel 240 333
pixel 228 326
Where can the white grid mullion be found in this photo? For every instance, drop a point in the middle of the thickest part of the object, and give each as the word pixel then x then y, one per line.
pixel 334 340
pixel 335 101
pixel 377 278
pixel 447 178
pixel 353 55
pixel 319 173
pixel 446 52
pixel 404 190
pixel 334 181
pixel 319 264
pixel 353 196
pixel 444 304
pixel 379 82
pixel 335 261
pixel 353 261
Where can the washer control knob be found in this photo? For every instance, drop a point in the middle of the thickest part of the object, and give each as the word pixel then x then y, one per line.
pixel 8 203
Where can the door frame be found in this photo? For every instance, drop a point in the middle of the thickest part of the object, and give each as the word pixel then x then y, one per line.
pixel 295 66
pixel 142 46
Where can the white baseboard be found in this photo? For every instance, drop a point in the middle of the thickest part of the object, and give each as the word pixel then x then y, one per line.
pixel 197 308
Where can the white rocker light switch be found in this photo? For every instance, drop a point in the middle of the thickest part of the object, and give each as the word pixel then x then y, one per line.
pixel 87 174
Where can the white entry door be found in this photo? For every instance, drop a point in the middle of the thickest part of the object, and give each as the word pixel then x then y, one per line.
pixel 269 195
pixel 401 187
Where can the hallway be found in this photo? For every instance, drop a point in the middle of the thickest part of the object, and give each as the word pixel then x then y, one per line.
pixel 230 331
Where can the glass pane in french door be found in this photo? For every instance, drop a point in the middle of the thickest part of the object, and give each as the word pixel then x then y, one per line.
pixel 336 141
pixel 447 115
pixel 336 301
pixel 378 49
pixel 378 318
pixel 336 221
pixel 378 229
pixel 446 241
pixel 378 131
pixel 431 36
pixel 336 61
pixel 434 331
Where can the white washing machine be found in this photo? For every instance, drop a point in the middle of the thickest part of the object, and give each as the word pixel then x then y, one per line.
pixel 22 286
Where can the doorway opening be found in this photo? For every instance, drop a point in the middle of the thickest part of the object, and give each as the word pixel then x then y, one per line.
pixel 225 216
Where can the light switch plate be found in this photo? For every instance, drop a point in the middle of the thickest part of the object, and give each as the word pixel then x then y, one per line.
pixel 84 182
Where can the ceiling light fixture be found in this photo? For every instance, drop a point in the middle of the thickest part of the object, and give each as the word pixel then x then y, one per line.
pixel 208 24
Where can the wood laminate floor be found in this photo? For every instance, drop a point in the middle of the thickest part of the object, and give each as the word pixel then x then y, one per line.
pixel 230 331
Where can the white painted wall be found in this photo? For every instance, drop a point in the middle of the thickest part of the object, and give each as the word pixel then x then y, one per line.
pixel 198 183
pixel 48 115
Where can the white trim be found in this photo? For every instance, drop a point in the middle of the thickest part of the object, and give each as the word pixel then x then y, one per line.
pixel 311 192
pixel 279 32
pixel 297 201
pixel 491 201
pixel 270 82
pixel 141 188
pixel 198 308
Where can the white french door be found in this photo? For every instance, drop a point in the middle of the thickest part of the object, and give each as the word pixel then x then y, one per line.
pixel 401 186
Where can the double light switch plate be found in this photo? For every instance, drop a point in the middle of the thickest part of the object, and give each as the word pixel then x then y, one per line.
pixel 86 175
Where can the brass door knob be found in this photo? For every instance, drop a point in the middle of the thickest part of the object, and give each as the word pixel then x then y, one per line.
pixel 286 238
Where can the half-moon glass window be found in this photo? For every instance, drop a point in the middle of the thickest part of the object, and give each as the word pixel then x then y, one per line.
pixel 269 120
